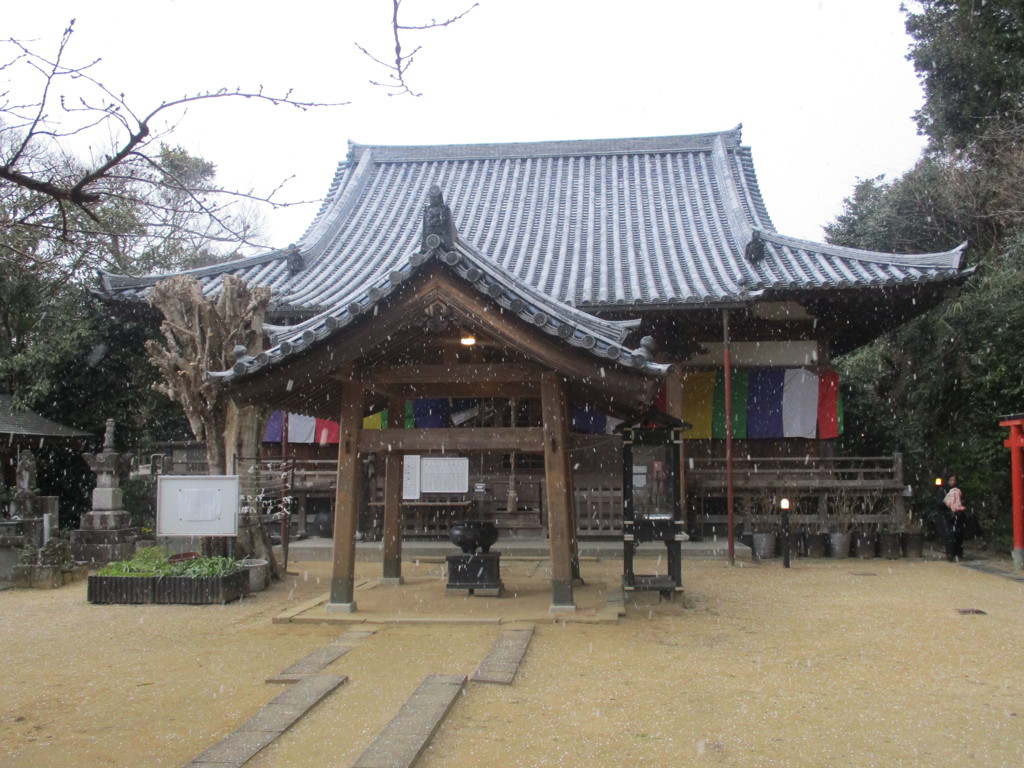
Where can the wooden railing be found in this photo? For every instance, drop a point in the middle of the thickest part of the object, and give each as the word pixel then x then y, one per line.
pixel 810 474
pixel 315 474
pixel 599 498
pixel 598 508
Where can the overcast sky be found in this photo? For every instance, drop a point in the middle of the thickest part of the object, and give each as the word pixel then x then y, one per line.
pixel 822 87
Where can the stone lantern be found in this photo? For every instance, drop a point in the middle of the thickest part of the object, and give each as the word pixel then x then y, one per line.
pixel 650 500
pixel 105 533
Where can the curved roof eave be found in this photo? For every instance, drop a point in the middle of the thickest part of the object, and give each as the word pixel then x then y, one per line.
pixel 949 260
pixel 111 282
pixel 596 336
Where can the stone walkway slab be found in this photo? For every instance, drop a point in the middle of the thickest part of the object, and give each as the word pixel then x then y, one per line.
pixel 502 661
pixel 403 740
pixel 311 664
pixel 270 722
pixel 993 570
pixel 315 662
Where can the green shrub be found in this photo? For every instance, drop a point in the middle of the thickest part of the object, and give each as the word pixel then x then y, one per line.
pixel 205 566
pixel 152 561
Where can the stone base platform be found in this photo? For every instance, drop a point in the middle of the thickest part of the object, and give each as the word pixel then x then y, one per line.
pixel 46 576
pixel 100 546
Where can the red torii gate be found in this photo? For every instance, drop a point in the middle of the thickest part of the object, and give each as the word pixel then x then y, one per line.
pixel 1015 442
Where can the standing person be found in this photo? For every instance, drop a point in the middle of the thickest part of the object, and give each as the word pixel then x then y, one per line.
pixel 955 516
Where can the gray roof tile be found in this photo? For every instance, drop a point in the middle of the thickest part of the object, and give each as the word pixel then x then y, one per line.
pixel 600 224
pixel 28 424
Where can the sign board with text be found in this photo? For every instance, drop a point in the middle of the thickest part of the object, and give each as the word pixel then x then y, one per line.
pixel 197 505
pixel 434 474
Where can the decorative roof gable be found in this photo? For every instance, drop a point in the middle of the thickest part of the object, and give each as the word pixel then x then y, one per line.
pixel 439 242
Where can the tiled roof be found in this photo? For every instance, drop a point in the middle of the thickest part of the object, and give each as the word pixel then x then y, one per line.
pixel 575 328
pixel 602 224
pixel 27 424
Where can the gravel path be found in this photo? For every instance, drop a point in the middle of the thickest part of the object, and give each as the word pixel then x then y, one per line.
pixel 832 663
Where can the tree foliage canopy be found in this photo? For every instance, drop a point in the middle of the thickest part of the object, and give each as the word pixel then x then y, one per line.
pixel 936 387
pixel 969 57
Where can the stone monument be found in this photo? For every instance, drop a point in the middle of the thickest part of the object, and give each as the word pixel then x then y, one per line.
pixel 32 519
pixel 25 484
pixel 105 533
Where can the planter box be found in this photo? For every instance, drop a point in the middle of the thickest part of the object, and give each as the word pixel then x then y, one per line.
pixel 128 590
pixel 180 590
pixel 167 590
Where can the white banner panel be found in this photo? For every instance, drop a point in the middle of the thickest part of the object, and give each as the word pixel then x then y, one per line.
pixel 197 505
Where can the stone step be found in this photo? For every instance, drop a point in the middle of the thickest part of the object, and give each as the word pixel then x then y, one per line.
pixel 502 661
pixel 237 748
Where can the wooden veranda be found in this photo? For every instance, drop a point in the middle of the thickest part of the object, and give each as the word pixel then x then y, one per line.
pixel 597 492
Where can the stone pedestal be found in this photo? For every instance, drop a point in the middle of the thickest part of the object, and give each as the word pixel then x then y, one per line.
pixel 104 545
pixel 478 574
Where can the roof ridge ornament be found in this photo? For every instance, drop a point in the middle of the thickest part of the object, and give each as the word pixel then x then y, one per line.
pixel 754 251
pixel 295 261
pixel 438 230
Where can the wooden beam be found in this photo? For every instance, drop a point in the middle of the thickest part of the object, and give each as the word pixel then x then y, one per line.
pixel 346 500
pixel 554 410
pixel 491 389
pixel 527 439
pixel 450 374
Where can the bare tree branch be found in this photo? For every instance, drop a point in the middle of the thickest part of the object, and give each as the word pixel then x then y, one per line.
pixel 80 212
pixel 398 68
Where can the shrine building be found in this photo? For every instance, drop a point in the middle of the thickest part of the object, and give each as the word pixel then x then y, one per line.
pixel 489 313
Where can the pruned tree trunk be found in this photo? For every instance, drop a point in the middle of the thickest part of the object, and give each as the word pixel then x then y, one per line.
pixel 207 333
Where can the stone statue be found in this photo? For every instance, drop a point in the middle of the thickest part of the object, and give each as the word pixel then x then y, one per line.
pixel 26 474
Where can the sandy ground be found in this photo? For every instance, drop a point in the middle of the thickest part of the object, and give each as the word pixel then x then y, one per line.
pixel 832 663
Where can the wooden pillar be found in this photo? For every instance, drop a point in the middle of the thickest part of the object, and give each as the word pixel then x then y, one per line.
pixel 558 482
pixel 393 522
pixel 346 500
pixel 674 407
pixel 574 525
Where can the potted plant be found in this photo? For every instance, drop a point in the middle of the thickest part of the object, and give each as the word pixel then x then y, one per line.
pixel 913 536
pixel 815 538
pixel 865 525
pixel 843 507
pixel 761 515
pixel 892 526
pixel 865 540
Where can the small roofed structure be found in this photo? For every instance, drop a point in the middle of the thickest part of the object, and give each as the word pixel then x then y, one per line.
pixel 401 338
pixel 25 429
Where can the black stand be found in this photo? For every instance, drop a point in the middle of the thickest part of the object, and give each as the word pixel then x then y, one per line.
pixel 478 574
pixel 640 531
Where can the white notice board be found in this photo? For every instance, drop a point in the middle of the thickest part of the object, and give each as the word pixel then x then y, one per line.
pixel 197 505
pixel 411 478
pixel 434 474
pixel 444 474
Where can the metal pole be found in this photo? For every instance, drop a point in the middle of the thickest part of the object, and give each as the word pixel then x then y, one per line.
pixel 729 498
pixel 785 532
